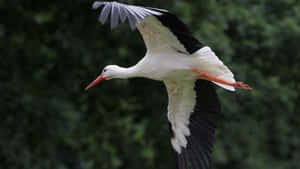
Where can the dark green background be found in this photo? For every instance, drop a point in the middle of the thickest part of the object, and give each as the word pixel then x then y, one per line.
pixel 51 50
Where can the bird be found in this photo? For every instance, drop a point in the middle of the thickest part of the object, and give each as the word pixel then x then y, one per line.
pixel 189 70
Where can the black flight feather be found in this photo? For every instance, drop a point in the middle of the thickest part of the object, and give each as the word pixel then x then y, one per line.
pixel 197 154
pixel 137 14
pixel 180 30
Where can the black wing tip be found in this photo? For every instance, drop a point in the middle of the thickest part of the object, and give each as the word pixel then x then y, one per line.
pixel 194 157
pixel 197 153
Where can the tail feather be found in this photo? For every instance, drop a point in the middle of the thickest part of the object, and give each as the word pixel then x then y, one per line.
pixel 212 64
pixel 227 87
pixel 228 77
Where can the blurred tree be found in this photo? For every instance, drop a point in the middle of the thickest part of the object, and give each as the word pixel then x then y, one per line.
pixel 50 50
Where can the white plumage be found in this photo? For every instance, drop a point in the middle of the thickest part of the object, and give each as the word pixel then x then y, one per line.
pixel 182 100
pixel 177 59
pixel 209 62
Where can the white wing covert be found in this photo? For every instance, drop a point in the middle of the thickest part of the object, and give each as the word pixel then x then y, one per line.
pixel 158 27
pixel 192 105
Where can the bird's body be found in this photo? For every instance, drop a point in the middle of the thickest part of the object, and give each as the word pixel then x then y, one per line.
pixel 179 60
pixel 172 65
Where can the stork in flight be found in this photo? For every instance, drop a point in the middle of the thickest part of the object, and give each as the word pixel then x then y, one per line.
pixel 185 66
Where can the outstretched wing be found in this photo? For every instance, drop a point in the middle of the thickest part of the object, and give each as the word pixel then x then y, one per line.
pixel 159 28
pixel 191 110
pixel 135 14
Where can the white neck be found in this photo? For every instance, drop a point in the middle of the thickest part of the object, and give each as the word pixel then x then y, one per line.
pixel 142 69
pixel 125 73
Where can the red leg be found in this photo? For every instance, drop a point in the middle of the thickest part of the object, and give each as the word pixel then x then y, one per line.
pixel 207 76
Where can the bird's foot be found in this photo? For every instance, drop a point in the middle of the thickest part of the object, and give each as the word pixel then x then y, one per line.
pixel 207 76
pixel 241 85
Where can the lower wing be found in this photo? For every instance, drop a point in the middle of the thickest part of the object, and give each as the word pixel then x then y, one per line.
pixel 192 105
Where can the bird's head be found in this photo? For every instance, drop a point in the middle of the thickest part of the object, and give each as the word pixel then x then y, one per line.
pixel 112 71
pixel 109 72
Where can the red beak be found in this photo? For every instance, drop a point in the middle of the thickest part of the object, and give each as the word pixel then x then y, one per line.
pixel 98 79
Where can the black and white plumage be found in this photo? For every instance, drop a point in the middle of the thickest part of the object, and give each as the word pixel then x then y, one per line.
pixel 137 15
pixel 180 61
pixel 197 153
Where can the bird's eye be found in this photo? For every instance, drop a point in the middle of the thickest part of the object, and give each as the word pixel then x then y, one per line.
pixel 104 70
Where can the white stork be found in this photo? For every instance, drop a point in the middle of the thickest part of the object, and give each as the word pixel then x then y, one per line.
pixel 185 66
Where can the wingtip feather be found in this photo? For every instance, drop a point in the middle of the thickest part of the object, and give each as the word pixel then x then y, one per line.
pixel 97 4
pixel 135 14
pixel 115 12
pixel 105 13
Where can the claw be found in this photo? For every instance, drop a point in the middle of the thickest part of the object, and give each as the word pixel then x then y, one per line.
pixel 241 85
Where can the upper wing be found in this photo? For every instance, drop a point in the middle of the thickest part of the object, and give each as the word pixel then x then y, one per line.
pixel 135 14
pixel 192 105
pixel 162 29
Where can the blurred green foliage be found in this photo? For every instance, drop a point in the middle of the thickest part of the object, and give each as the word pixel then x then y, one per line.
pixel 50 50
